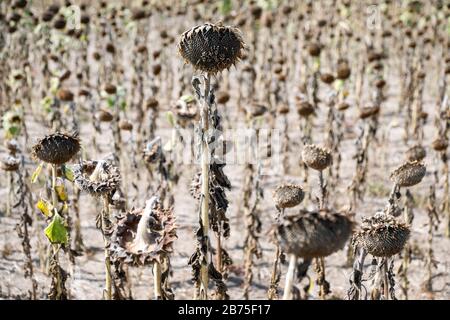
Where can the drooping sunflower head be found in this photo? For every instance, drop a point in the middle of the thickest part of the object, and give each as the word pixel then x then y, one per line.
pixel 143 236
pixel 313 234
pixel 288 195
pixel 316 157
pixel 211 48
pixel 381 235
pixel 409 174
pixel 416 153
pixel 96 177
pixel 57 148
pixel 10 163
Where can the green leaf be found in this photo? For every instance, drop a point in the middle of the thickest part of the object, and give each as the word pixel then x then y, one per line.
pixel 170 118
pixel 65 208
pixel 226 7
pixel 56 231
pixel 54 85
pixel 46 104
pixel 316 63
pixel 123 105
pixel 68 172
pixel 36 173
pixel 61 192
pixel 111 101
pixel 187 98
pixel 45 207
pixel 12 131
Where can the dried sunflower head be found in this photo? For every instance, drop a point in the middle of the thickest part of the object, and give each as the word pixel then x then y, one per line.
pixel 65 95
pixel 10 163
pixel 12 146
pixel 342 106
pixel 96 177
pixel 381 235
pixel 211 48
pixel 104 116
pixel 125 125
pixel 288 195
pixel 144 236
pixel 138 14
pixel 283 109
pixel 185 110
pixel 60 23
pixel 256 110
pixel 408 174
pixel 47 16
pixel 153 151
pixel 367 112
pixel 343 70
pixel 311 234
pixel 316 158
pixel 380 82
pixel 416 153
pixel 223 97
pixel 110 88
pixel 440 144
pixel 314 49
pixel 152 103
pixel 327 78
pixel 57 148
pixel 304 108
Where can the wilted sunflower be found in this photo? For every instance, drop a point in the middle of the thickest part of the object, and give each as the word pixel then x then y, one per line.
pixel 288 195
pixel 185 110
pixel 327 78
pixel 367 112
pixel 440 144
pixel 57 148
pixel 304 108
pixel 211 48
pixel 153 151
pixel 10 163
pixel 382 235
pixel 316 157
pixel 12 146
pixel 143 236
pixel 416 153
pixel 104 116
pixel 312 234
pixel 125 125
pixel 96 177
pixel 256 110
pixel 343 70
pixel 65 95
pixel 408 174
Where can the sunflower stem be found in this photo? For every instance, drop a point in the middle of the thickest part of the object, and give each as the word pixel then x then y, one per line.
pixel 54 195
pixel 157 280
pixel 290 275
pixel 56 247
pixel 322 191
pixel 104 220
pixel 385 279
pixel 9 198
pixel 219 252
pixel 323 284
pixel 204 218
